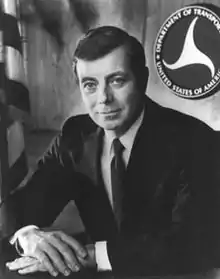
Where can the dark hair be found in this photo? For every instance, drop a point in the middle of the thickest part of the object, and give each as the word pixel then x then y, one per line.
pixel 101 41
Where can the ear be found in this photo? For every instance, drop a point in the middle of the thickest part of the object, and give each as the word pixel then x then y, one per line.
pixel 144 79
pixel 146 75
pixel 75 73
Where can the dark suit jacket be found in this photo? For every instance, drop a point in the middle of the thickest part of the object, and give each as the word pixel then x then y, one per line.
pixel 170 203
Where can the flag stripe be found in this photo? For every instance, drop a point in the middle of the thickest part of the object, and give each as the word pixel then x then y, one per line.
pixel 3 142
pixel 1 47
pixel 17 95
pixel 15 140
pixel 0 179
pixel 11 32
pixel 2 76
pixel 14 66
pixel 9 7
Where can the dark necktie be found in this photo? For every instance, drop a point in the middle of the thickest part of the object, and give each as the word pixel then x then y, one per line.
pixel 117 174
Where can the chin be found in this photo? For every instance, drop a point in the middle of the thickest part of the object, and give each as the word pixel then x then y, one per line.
pixel 108 125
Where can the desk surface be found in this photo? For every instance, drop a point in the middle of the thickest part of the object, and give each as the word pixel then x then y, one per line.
pixel 7 253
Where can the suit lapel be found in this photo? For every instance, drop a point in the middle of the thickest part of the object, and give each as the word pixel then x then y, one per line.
pixel 89 163
pixel 149 166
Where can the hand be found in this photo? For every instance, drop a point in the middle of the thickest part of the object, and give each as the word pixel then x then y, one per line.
pixel 26 265
pixel 90 260
pixel 57 251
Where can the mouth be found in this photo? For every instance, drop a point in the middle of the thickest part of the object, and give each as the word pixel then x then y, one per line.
pixel 109 112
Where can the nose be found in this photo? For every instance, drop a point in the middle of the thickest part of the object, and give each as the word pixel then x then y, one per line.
pixel 105 95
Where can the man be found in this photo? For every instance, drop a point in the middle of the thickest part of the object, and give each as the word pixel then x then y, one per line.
pixel 136 171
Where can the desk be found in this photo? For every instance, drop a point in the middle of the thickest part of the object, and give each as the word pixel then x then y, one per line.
pixel 7 253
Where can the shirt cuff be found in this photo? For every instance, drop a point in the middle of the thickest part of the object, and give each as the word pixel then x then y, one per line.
pixel 14 240
pixel 101 254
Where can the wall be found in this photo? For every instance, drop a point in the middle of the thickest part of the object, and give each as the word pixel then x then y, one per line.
pixel 54 93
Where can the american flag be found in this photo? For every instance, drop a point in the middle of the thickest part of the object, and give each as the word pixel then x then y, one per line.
pixel 13 92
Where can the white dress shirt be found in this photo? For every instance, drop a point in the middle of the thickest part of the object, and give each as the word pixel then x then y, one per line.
pixel 107 154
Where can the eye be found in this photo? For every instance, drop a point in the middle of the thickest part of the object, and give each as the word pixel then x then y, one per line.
pixel 118 81
pixel 90 86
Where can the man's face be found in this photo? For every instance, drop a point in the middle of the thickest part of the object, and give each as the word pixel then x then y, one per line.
pixel 109 91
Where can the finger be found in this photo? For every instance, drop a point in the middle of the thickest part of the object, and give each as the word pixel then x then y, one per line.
pixel 68 255
pixel 21 263
pixel 56 259
pixel 33 268
pixel 76 246
pixel 43 258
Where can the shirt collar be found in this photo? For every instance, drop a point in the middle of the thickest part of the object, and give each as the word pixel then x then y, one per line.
pixel 128 138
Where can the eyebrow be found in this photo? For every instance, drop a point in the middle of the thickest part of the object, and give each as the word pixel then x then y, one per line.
pixel 84 79
pixel 118 73
pixel 112 75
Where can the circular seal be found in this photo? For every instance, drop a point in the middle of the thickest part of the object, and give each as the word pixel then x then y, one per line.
pixel 187 52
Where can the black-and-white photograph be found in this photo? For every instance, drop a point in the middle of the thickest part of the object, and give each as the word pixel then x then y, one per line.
pixel 109 139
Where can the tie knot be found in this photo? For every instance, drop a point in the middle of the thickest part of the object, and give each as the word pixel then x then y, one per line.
pixel 117 146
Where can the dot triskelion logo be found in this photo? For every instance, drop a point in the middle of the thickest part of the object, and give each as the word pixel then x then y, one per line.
pixel 187 52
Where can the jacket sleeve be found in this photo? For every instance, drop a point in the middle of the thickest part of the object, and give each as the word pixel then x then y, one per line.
pixel 193 243
pixel 53 184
